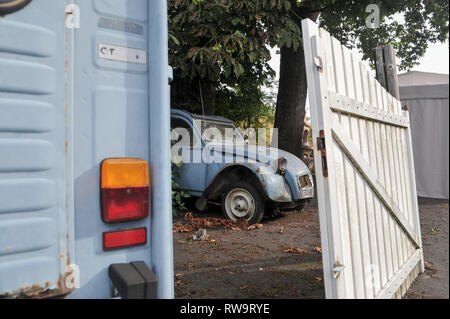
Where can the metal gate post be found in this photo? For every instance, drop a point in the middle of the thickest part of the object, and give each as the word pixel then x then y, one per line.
pixel 161 188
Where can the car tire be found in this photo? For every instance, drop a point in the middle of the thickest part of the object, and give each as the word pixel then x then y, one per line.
pixel 10 6
pixel 243 200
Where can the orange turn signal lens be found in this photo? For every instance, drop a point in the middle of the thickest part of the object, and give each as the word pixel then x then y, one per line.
pixel 124 190
pixel 124 172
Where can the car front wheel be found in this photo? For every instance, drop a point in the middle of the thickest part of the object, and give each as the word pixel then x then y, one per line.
pixel 242 200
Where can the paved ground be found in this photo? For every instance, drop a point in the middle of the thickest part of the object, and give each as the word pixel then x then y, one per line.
pixel 282 259
pixel 434 215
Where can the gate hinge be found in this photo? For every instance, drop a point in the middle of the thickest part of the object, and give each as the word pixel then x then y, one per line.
pixel 321 146
pixel 338 268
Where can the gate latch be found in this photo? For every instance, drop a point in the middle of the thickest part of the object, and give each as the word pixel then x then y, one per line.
pixel 321 146
pixel 338 268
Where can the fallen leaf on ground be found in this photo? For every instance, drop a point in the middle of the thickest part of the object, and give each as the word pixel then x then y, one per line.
pixel 293 250
pixel 254 226
pixel 195 223
pixel 318 249
pixel 188 217
pixel 430 267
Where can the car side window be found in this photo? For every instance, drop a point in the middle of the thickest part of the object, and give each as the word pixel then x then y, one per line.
pixel 182 127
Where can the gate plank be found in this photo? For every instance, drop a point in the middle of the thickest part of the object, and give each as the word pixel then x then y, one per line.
pixel 364 190
pixel 413 188
pixel 341 183
pixel 329 227
pixel 353 184
pixel 387 181
pixel 387 264
pixel 399 200
pixel 373 226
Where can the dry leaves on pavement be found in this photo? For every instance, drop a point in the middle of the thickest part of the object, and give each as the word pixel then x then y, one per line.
pixel 293 250
pixel 193 223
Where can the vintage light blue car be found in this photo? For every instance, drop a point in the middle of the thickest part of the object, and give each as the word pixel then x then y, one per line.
pixel 222 168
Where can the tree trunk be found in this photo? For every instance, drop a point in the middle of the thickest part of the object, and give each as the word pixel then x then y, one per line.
pixel 291 99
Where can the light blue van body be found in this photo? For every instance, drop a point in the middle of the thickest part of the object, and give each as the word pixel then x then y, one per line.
pixel 207 164
pixel 64 108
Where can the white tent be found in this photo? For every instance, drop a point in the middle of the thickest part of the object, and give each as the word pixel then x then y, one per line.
pixel 426 96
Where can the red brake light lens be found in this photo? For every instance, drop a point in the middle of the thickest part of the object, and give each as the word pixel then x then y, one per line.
pixel 124 204
pixel 124 238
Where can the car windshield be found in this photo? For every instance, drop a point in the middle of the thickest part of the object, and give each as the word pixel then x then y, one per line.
pixel 219 131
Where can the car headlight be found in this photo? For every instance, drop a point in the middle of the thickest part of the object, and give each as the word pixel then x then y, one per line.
pixel 282 164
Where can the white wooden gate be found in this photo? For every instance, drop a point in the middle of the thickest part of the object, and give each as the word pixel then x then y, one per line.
pixel 369 218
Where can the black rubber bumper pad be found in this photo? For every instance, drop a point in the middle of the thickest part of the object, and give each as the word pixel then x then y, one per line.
pixel 134 281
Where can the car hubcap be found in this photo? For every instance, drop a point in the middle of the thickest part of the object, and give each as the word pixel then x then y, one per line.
pixel 240 204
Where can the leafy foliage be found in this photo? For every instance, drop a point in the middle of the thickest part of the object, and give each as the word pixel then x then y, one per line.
pixel 409 25
pixel 225 45
pixel 178 196
pixel 247 103
pixel 216 38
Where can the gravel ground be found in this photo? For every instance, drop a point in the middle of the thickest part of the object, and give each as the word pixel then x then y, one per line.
pixel 434 217
pixel 282 259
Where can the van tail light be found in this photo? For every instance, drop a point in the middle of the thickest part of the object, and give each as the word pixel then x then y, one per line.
pixel 124 190
pixel 124 238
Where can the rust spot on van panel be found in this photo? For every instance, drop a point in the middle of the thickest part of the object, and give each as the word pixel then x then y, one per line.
pixel 38 291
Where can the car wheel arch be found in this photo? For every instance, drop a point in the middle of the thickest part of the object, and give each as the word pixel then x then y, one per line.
pixel 11 6
pixel 230 174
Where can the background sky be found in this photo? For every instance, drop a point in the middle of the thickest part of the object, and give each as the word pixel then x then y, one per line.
pixel 436 59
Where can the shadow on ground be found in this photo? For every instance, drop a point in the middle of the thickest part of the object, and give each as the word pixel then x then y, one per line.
pixel 254 264
pixel 434 220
